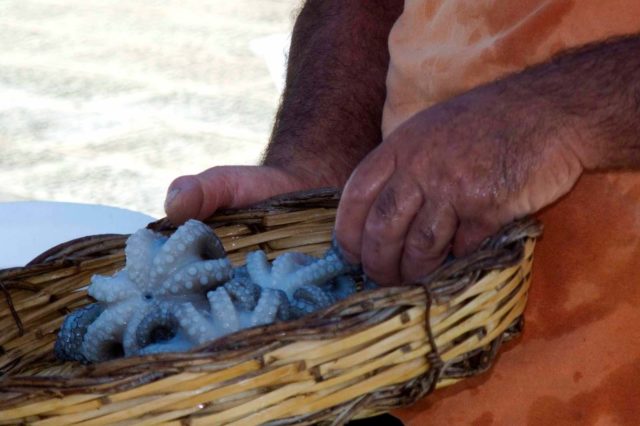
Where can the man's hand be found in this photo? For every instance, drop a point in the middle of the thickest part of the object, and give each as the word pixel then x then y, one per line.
pixel 454 173
pixel 198 196
pixel 330 114
pixel 449 177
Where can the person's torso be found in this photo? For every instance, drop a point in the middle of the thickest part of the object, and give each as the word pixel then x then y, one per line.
pixel 578 361
pixel 440 48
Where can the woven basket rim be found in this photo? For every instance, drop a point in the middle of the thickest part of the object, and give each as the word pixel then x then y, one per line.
pixel 503 250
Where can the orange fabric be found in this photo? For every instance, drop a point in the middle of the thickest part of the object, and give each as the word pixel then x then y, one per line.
pixel 440 48
pixel 578 360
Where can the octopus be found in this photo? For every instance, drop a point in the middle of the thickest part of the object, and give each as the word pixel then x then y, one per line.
pixel 179 292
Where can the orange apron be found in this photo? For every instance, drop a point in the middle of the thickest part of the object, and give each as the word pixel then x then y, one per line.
pixel 578 360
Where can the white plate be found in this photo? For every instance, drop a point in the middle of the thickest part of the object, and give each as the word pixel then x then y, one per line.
pixel 28 228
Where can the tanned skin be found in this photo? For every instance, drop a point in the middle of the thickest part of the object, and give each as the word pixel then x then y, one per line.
pixel 329 118
pixel 449 176
pixel 454 173
pixel 331 110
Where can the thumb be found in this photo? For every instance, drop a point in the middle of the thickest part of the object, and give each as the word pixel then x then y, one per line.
pixel 199 196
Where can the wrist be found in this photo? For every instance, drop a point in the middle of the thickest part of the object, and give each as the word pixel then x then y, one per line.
pixel 593 92
pixel 310 174
pixel 573 135
pixel 549 125
pixel 317 166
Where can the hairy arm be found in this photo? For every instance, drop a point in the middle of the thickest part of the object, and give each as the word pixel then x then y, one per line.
pixel 329 117
pixel 595 91
pixel 454 173
pixel 331 110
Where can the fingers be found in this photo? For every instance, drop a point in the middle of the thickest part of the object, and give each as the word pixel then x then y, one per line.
pixel 386 223
pixel 184 199
pixel 428 240
pixel 472 233
pixel 386 227
pixel 358 196
pixel 199 196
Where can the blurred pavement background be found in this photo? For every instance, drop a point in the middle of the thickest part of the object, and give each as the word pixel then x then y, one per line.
pixel 106 101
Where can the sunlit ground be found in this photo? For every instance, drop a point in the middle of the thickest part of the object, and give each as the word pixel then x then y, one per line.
pixel 107 101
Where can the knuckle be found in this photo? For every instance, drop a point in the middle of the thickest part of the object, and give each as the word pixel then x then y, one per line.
pixel 386 205
pixel 353 194
pixel 357 184
pixel 420 242
pixel 424 246
pixel 381 223
pixel 378 231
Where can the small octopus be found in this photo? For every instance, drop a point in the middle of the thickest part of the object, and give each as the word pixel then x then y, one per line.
pixel 179 292
pixel 311 284
pixel 160 274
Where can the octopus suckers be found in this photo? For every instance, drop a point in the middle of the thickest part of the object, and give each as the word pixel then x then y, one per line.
pixel 179 292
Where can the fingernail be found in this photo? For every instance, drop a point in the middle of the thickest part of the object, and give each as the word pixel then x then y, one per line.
pixel 171 196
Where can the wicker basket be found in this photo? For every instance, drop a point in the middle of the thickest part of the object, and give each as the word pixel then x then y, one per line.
pixel 370 353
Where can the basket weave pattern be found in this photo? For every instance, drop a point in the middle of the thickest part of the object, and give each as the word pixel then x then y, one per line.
pixel 368 354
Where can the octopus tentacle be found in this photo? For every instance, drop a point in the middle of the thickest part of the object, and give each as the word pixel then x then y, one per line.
pixel 182 291
pixel 314 294
pixel 197 327
pixel 300 308
pixel 288 263
pixel 259 268
pixel 112 289
pixel 191 242
pixel 200 276
pixel 267 308
pixel 205 243
pixel 103 339
pixel 129 341
pixel 157 330
pixel 223 312
pixel 241 273
pixel 176 344
pixel 343 287
pixel 316 273
pixel 243 293
pixel 68 346
pixel 142 246
pixel 310 298
pixel 284 307
pixel 159 326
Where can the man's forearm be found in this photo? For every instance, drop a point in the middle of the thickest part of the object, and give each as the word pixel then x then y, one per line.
pixel 594 93
pixel 331 109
